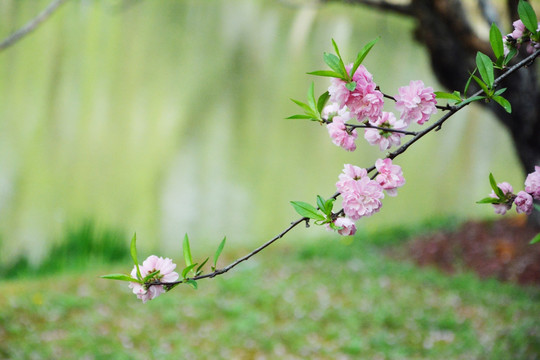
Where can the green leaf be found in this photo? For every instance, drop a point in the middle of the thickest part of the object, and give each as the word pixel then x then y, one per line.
pixel 537 207
pixel 503 102
pixel 351 85
pixel 334 63
pixel 527 16
pixel 187 251
pixel 218 251
pixel 451 96
pixel 329 204
pixel 496 41
pixel 193 283
pixel 307 210
pixel 321 203
pixel 468 83
pixel 336 49
pixel 120 277
pixel 500 91
pixel 187 269
pixel 198 271
pixel 471 99
pixel 326 73
pixel 509 56
pixel 311 96
pixel 535 239
pixel 495 187
pixel 299 116
pixel 485 68
pixel 134 255
pixel 488 200
pixel 321 102
pixel 304 106
pixel 481 84
pixel 362 55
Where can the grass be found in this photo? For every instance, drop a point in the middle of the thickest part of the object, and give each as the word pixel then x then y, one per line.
pixel 326 300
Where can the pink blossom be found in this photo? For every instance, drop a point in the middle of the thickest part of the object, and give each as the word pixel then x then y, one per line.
pixel 385 139
pixel 362 198
pixel 519 29
pixel 524 203
pixel 416 102
pixel 348 226
pixel 150 265
pixel 339 134
pixel 390 176
pixel 365 101
pixel 334 109
pixel 350 174
pixel 532 183
pixel 502 208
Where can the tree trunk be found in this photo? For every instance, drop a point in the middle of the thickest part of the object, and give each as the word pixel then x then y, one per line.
pixel 452 45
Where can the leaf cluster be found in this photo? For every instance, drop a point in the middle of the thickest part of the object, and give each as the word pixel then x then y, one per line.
pixel 191 268
pixel 501 197
pixel 322 214
pixel 313 109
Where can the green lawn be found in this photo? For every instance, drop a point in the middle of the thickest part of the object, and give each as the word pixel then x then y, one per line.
pixel 326 300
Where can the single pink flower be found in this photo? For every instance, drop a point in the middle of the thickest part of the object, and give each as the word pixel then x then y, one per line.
pixel 502 208
pixel 385 139
pixel 416 102
pixel 350 174
pixel 365 101
pixel 362 198
pixel 524 203
pixel 532 183
pixel 339 134
pixel 390 176
pixel 150 265
pixel 348 226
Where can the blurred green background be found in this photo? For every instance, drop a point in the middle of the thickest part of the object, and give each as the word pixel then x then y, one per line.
pixel 167 117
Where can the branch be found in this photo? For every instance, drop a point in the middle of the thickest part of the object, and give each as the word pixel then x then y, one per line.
pixel 31 25
pixel 435 126
pixel 403 9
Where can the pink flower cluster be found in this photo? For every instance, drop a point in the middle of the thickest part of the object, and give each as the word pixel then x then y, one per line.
pixel 524 199
pixel 364 101
pixel 415 102
pixel 361 195
pixel 150 265
pixel 519 36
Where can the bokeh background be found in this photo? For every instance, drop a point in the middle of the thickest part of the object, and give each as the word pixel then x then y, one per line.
pixel 167 117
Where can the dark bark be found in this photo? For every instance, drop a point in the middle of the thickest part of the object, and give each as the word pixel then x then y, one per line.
pixel 452 45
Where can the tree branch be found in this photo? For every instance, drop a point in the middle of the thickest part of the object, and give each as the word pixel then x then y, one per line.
pixel 31 25
pixel 435 126
pixel 403 9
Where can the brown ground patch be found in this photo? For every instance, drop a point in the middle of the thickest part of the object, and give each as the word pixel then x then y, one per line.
pixel 497 249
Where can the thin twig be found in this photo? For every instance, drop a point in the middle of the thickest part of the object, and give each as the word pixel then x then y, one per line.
pixel 31 25
pixel 435 126
pixel 369 126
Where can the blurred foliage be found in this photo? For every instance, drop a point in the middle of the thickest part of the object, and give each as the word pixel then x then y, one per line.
pixel 81 247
